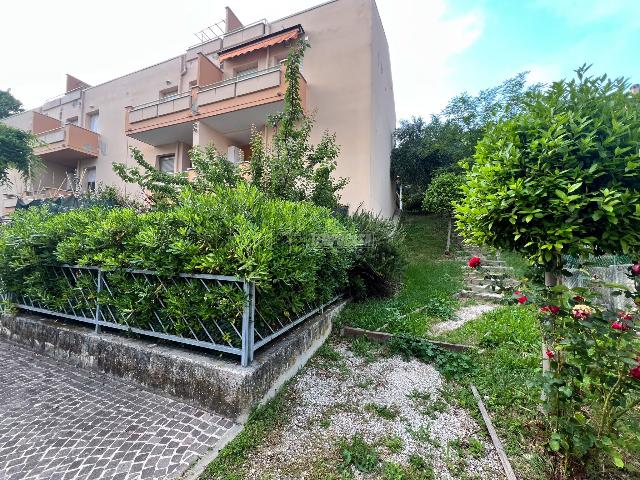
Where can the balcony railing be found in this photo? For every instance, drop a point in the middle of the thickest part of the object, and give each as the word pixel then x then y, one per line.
pixel 208 94
pixel 70 139
pixel 245 91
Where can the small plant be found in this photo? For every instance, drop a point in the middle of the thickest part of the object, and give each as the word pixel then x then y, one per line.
pixel 357 453
pixel 393 443
pixel 451 364
pixel 382 411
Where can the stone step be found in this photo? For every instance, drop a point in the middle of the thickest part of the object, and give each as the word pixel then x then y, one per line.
pixel 484 296
pixel 493 263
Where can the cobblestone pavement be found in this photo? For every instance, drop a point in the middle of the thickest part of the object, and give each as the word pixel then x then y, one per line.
pixel 61 422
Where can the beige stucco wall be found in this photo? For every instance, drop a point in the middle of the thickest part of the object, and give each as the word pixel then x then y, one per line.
pixel 350 91
pixel 110 99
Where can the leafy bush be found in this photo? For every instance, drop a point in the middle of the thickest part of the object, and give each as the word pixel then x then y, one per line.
pixel 560 178
pixel 297 253
pixel 441 193
pixel 380 259
pixel 593 388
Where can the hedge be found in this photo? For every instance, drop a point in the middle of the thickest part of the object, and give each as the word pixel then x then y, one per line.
pixel 297 253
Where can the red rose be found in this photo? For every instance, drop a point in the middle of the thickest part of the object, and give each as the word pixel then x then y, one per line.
pixel 625 316
pixel 474 262
pixel 635 269
pixel 635 372
pixel 517 292
pixel 550 309
pixel 522 299
pixel 549 354
pixel 617 326
pixel 579 298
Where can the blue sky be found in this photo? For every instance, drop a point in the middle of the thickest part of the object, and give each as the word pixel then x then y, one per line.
pixel 438 47
pixel 549 38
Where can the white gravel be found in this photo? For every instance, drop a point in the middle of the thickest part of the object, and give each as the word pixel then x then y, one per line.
pixel 328 402
pixel 462 316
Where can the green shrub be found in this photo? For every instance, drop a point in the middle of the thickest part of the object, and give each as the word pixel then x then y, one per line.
pixel 442 192
pixel 297 253
pixel 380 258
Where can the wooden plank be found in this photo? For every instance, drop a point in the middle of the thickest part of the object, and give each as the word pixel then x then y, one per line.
pixel 506 465
pixel 384 337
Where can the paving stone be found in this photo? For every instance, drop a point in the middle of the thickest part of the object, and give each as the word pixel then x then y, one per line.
pixel 61 422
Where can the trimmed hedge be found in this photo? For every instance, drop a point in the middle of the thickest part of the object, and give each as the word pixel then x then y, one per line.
pixel 297 253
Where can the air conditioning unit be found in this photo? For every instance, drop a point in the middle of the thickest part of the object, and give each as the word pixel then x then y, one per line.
pixel 235 155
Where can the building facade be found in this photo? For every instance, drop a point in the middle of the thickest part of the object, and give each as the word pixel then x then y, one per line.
pixel 217 92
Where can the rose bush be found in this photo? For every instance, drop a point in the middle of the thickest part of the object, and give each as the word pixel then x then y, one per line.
pixel 594 382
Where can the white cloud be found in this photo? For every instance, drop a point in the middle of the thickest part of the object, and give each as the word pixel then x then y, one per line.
pixel 423 39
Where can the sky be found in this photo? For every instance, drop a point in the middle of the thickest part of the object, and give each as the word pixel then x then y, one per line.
pixel 438 48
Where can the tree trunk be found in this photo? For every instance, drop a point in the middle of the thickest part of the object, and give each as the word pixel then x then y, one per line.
pixel 550 280
pixel 447 251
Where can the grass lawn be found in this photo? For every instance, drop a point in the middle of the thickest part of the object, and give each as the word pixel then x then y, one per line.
pixel 504 372
pixel 431 281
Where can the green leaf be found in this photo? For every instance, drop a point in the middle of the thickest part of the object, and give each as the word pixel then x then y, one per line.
pixel 617 459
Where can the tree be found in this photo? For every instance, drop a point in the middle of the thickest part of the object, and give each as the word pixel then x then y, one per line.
pixel 211 170
pixel 16 152
pixel 9 105
pixel 290 167
pixel 425 148
pixel 443 191
pixel 561 178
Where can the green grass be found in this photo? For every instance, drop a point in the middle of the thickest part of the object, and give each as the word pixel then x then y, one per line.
pixel 505 369
pixel 430 282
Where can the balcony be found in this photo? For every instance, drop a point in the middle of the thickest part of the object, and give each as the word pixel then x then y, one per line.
pixel 67 144
pixel 226 106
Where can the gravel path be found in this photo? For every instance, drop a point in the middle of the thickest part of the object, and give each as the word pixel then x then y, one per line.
pixel 333 399
pixel 462 316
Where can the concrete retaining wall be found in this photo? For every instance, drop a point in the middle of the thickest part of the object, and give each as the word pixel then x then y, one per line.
pixel 206 380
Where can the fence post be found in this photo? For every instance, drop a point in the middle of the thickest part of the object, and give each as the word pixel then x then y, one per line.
pixel 245 359
pixel 252 321
pixel 98 300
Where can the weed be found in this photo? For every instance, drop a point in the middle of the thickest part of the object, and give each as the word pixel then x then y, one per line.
pixel 364 348
pixel 393 443
pixel 382 411
pixel 418 469
pixel 327 352
pixel 359 454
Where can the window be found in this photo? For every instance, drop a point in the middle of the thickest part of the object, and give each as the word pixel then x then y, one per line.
pixel 246 71
pixel 93 119
pixel 90 174
pixel 167 163
pixel 166 94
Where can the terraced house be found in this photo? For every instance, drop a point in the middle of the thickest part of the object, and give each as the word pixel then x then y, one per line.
pixel 216 92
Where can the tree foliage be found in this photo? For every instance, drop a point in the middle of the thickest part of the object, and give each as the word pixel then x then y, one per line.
pixel 425 148
pixel 443 191
pixel 562 177
pixel 289 166
pixel 16 152
pixel 9 105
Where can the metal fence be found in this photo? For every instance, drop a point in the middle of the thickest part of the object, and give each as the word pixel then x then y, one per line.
pixel 593 272
pixel 214 312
